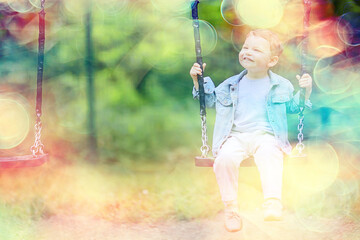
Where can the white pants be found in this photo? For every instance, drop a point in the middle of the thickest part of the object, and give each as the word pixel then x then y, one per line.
pixel 268 159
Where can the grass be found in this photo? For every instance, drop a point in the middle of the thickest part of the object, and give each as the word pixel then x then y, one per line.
pixel 121 192
pixel 145 192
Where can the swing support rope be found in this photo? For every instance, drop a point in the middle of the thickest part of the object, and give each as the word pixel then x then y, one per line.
pixel 195 16
pixel 38 147
pixel 304 69
pixel 38 156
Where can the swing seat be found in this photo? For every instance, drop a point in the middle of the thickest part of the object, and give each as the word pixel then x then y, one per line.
pixel 297 159
pixel 23 161
pixel 204 162
pixel 298 156
pixel 209 162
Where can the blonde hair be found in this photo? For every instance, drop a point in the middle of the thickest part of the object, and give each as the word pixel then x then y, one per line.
pixel 275 44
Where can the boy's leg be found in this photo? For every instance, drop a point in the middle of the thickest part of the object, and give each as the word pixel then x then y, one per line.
pixel 226 167
pixel 269 160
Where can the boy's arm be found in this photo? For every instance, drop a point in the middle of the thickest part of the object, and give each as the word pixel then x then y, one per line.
pixel 305 81
pixel 209 89
pixel 293 105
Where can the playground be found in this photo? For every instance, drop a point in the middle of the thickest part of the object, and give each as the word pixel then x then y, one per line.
pixel 100 135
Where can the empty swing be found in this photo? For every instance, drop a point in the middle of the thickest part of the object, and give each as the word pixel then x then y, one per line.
pixel 204 160
pixel 38 157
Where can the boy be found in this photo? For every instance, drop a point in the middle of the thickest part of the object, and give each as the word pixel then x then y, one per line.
pixel 251 119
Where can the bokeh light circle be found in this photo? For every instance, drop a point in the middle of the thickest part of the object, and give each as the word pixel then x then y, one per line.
pixel 235 41
pixel 48 3
pixel 291 24
pixel 260 13
pixel 238 36
pixel 348 189
pixel 21 6
pixel 76 8
pixel 314 211
pixel 308 57
pixel 173 6
pixel 28 34
pixel 355 88
pixel 175 40
pixel 348 28
pixel 309 211
pixel 334 75
pixel 350 153
pixel 317 171
pixel 184 38
pixel 112 7
pixel 14 122
pixel 228 13
pixel 324 40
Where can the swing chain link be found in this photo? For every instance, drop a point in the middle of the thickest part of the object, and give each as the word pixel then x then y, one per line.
pixel 205 147
pixel 307 8
pixel 300 145
pixel 38 147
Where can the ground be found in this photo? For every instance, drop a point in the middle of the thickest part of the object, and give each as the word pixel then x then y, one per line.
pixel 91 202
pixel 254 228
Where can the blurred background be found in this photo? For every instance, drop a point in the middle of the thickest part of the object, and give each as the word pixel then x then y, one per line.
pixel 119 121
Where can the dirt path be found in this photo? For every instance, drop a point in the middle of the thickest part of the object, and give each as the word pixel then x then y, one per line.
pixel 291 228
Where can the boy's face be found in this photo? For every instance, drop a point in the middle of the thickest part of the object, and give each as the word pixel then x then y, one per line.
pixel 255 55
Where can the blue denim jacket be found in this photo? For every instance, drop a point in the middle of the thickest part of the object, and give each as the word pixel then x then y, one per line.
pixel 280 101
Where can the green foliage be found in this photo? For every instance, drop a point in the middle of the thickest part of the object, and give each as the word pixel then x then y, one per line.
pixel 16 221
pixel 149 132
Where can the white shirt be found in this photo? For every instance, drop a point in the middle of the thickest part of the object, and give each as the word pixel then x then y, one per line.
pixel 250 113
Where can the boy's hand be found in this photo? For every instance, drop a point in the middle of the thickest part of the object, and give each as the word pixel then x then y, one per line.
pixel 194 71
pixel 305 81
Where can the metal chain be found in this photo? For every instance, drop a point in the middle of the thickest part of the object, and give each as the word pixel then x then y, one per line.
pixel 307 8
pixel 38 147
pixel 300 145
pixel 205 147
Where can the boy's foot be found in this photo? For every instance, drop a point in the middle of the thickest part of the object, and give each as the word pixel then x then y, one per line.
pixel 272 210
pixel 233 222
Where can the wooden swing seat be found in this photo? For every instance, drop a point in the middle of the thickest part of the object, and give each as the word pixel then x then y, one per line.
pixel 249 162
pixel 33 160
pixel 23 161
pixel 204 161
pixel 209 162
